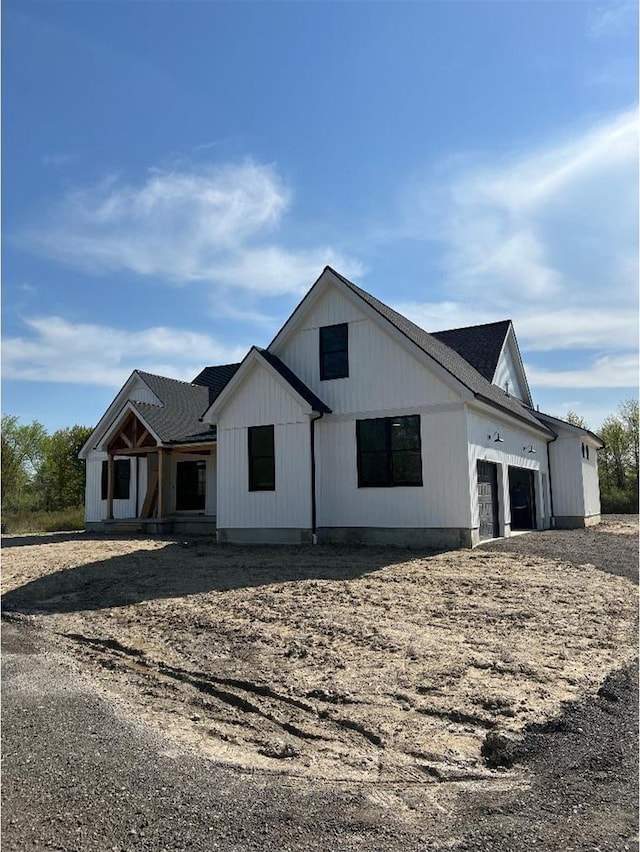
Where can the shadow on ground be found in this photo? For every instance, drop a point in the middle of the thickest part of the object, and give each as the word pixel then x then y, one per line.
pixel 188 568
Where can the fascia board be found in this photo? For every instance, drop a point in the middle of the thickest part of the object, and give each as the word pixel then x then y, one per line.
pixel 119 420
pixel 510 337
pixel 299 313
pixel 112 411
pixel 510 419
pixel 254 357
pixel 412 348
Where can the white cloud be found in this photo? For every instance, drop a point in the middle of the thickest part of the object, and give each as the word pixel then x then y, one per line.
pixel 56 350
pixel 612 19
pixel 609 371
pixel 210 224
pixel 537 331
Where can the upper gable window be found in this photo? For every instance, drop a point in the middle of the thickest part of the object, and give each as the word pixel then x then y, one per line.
pixel 334 351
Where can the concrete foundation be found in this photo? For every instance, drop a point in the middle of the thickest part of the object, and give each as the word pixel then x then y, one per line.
pixel 437 538
pixel 186 525
pixel 575 522
pixel 279 535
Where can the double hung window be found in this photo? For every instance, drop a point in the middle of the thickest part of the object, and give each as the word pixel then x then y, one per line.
pixel 389 451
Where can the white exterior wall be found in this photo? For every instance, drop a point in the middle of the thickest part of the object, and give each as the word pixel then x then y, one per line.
pixel 383 376
pixel 95 507
pixel 508 453
pixel 261 401
pixel 566 476
pixel 441 502
pixel 591 483
pixel 506 372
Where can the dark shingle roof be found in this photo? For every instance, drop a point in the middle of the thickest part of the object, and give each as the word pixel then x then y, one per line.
pixel 297 384
pixel 449 359
pixel 480 345
pixel 177 420
pixel 216 379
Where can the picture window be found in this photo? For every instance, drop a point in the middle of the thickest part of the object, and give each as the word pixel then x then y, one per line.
pixel 389 452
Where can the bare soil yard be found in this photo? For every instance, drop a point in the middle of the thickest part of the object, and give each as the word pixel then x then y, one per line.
pixel 373 666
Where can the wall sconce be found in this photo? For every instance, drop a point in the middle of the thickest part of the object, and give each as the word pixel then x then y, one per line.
pixel 530 449
pixel 496 437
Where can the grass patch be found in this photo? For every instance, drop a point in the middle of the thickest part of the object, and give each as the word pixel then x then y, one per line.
pixel 24 521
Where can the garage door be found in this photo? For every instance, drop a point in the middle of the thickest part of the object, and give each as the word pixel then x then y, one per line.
pixel 488 500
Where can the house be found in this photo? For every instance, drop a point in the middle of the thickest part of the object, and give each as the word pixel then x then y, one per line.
pixel 353 425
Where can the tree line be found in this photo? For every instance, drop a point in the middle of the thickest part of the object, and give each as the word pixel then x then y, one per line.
pixel 42 472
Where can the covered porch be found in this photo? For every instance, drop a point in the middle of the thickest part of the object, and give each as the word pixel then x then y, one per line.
pixel 154 487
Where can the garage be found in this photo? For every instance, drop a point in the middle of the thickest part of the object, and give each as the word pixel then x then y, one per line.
pixel 522 498
pixel 488 500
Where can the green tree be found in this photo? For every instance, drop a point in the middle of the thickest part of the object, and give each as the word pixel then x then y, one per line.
pixel 60 478
pixel 575 419
pixel 618 461
pixel 23 448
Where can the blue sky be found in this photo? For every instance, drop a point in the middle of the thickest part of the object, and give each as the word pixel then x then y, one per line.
pixel 177 174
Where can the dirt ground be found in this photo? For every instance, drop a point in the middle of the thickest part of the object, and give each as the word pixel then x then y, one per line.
pixel 377 666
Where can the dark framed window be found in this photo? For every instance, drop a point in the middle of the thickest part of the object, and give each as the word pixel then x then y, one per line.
pixel 121 479
pixel 389 452
pixel 334 351
pixel 191 483
pixel 262 462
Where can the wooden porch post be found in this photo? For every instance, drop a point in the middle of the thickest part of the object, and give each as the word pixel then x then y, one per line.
pixel 160 483
pixel 110 487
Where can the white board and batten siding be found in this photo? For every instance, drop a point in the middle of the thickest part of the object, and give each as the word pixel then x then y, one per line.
pixel 262 400
pixel 507 375
pixel 383 375
pixel 441 502
pixel 508 453
pixel 591 484
pixel 96 507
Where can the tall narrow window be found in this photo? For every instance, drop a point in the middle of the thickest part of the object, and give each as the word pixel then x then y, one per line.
pixel 389 452
pixel 334 351
pixel 121 479
pixel 262 467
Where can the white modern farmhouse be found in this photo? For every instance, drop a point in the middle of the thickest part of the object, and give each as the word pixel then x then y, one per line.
pixel 353 425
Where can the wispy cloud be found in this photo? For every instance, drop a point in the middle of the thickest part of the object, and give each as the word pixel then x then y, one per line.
pixel 547 237
pixel 610 19
pixel 609 371
pixel 213 224
pixel 55 350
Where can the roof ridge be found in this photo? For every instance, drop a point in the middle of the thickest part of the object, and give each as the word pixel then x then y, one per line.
pixel 477 325
pixel 166 378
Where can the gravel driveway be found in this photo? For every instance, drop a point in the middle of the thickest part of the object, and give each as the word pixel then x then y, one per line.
pixel 82 771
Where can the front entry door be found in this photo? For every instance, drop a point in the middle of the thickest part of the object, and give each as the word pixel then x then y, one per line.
pixel 523 501
pixel 191 478
pixel 488 500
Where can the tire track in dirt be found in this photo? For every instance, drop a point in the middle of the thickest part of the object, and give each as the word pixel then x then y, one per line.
pixel 207 684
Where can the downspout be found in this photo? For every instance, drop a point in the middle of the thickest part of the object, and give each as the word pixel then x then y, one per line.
pixel 552 519
pixel 312 431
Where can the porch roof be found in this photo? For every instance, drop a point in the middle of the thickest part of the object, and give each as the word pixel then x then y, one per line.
pixel 177 420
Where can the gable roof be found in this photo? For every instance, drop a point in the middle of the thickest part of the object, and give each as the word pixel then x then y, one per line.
pixel 296 383
pixel 480 345
pixel 178 419
pixel 555 423
pixel 283 373
pixel 449 359
pixel 216 378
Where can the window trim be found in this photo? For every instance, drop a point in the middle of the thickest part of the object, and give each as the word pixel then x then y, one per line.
pixel 251 430
pixel 104 483
pixel 322 351
pixel 389 451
